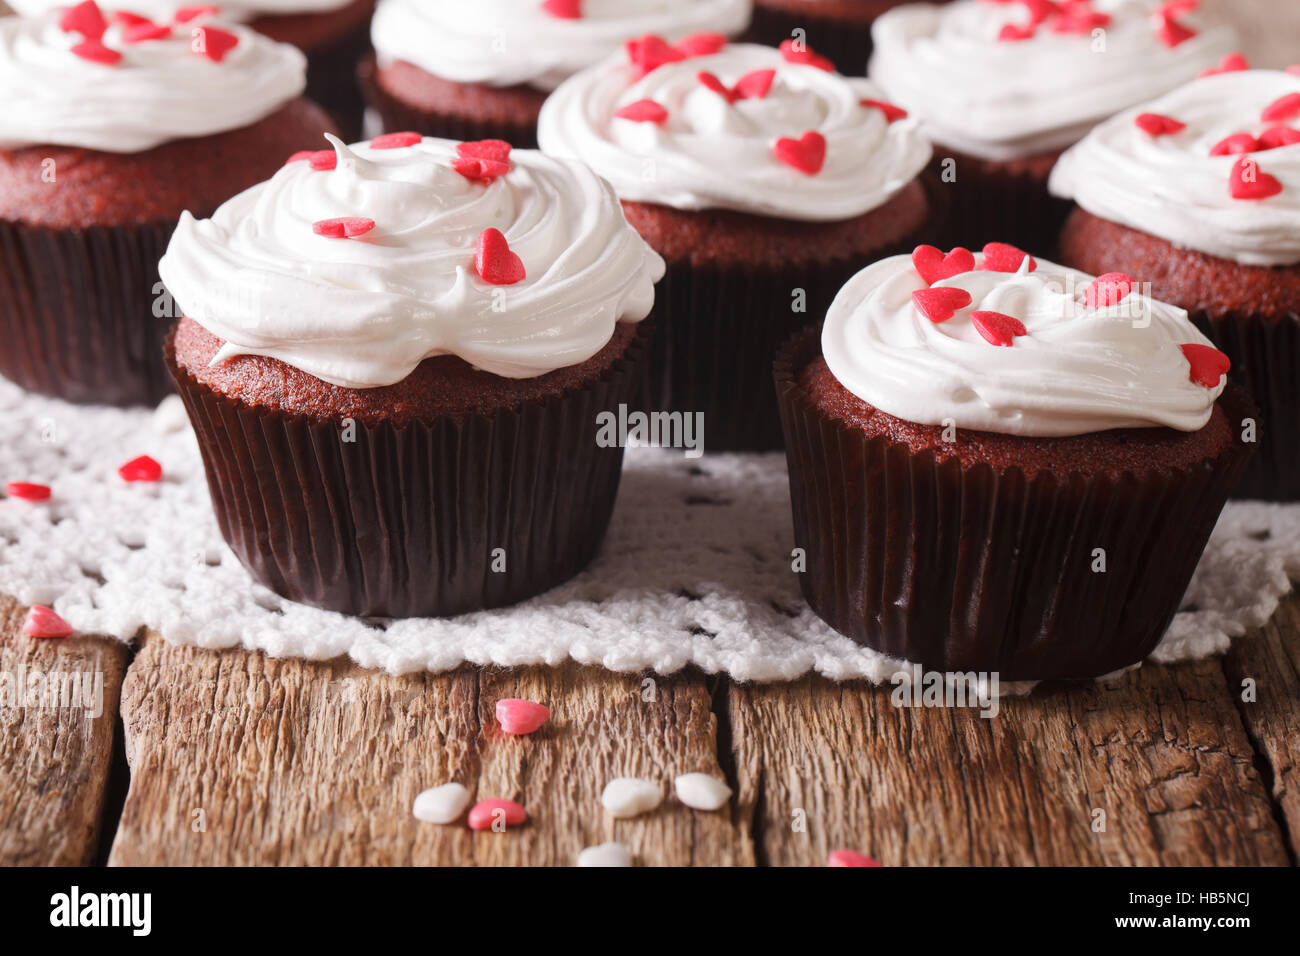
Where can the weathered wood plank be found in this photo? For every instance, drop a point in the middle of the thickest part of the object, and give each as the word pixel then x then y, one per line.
pixel 55 752
pixel 1161 751
pixel 310 763
pixel 1271 659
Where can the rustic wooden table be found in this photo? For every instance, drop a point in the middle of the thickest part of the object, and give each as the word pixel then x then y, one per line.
pixel 236 758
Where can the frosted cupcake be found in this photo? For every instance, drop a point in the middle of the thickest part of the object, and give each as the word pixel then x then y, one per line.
pixel 332 34
pixel 766 180
pixel 1002 88
pixel 1198 193
pixel 109 128
pixel 482 70
pixel 394 366
pixel 998 464
pixel 838 29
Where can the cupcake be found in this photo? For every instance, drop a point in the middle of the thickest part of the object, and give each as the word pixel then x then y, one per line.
pixel 1003 87
pixel 765 180
pixel 109 128
pixel 334 35
pixel 839 29
pixel 1198 193
pixel 482 70
pixel 1002 465
pixel 395 368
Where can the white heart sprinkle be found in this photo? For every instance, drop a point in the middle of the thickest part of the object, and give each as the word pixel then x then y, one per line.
pixel 701 791
pixel 629 796
pixel 607 854
pixel 443 804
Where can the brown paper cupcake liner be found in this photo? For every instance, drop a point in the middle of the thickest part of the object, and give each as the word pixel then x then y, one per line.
pixel 77 312
pixel 968 568
pixel 332 80
pixel 413 521
pixel 1265 356
pixel 396 115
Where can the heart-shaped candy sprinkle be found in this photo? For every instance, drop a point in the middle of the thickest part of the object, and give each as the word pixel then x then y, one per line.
pixel 1011 33
pixel 700 44
pixel 754 85
pixel 1207 364
pixel 711 82
pixel 96 52
pixel 1248 181
pixel 997 327
pixel 650 52
pixel 941 304
pixel 643 111
pixel 43 622
pixel 932 265
pixel 494 261
pixel 1172 33
pixel 563 9
pixel 1282 109
pixel 521 716
pixel 1109 289
pixel 892 113
pixel 128 19
pixel 344 227
pixel 849 858
pixel 27 491
pixel 1000 257
pixel 396 140
pixel 801 54
pixel 85 18
pixel 1154 124
pixel 1231 63
pixel 212 43
pixel 497 149
pixel 485 171
pixel 1275 137
pixel 143 32
pixel 143 468
pixel 1236 143
pixel 806 154
pixel 485 813
pixel 186 14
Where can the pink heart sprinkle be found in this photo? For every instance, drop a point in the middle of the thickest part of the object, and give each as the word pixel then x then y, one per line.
pixel 1282 109
pixel 395 140
pixel 128 19
pixel 27 491
pixel 1276 137
pixel 1172 33
pixel 43 622
pixel 892 113
pixel 700 44
pixel 711 82
pixel 1010 33
pixel 932 265
pixel 495 262
pixel 96 52
pixel 485 171
pixel 754 85
pixel 802 55
pixel 1232 63
pixel 186 14
pixel 212 43
pixel 1155 124
pixel 344 227
pixel 849 858
pixel 1000 257
pixel 646 54
pixel 1236 143
pixel 998 328
pixel 1207 365
pixel 941 304
pixel 142 32
pixel 521 716
pixel 85 18
pixel 1109 289
pixel 143 468
pixel 563 9
pixel 486 812
pixel 806 154
pixel 1248 181
pixel 643 111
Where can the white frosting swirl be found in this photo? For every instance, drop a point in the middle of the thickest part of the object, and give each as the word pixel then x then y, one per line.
pixel 505 42
pixel 1170 185
pixel 1078 370
pixel 710 154
pixel 161 11
pixel 160 90
pixel 365 312
pixel 1002 100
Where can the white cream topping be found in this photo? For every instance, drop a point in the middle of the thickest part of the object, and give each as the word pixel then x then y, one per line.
pixel 1078 370
pixel 159 91
pixel 364 312
pixel 1170 186
pixel 1002 100
pixel 160 11
pixel 711 154
pixel 505 42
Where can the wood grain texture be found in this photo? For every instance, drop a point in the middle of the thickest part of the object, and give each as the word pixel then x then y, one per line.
pixel 237 758
pixel 1161 751
pixel 55 755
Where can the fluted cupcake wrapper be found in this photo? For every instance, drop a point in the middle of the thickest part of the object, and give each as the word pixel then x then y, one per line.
pixel 971 568
pixel 77 312
pixel 396 115
pixel 1265 356
pixel 413 521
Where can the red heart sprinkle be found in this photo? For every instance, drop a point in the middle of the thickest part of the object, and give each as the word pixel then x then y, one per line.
pixel 96 52
pixel 344 227
pixel 1248 181
pixel 1080 20
pixel 518 716
pixel 497 149
pixel 485 171
pixel 395 140
pixel 186 14
pixel 1275 137
pixel 1000 257
pixel 1175 8
pixel 754 85
pixel 563 9
pixel 941 304
pixel 802 55
pixel 317 158
pixel 650 52
pixel 143 468
pixel 1208 365
pixel 1236 143
pixel 494 261
pixel 43 622
pixel 1232 63
pixel 700 44
pixel 1172 33
pixel 1040 10
pixel 849 858
pixel 806 154
pixel 711 82
pixel 1156 125
pixel 892 113
pixel 1109 289
pixel 486 812
pixel 1010 33
pixel 27 491
pixel 85 18
pixel 1282 109
pixel 140 32
pixel 997 328
pixel 128 19
pixel 212 43
pixel 932 265
pixel 643 111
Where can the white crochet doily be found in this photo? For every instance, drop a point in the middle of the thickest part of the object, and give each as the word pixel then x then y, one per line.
pixel 695 568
